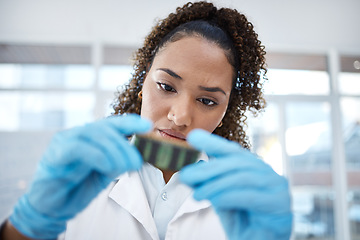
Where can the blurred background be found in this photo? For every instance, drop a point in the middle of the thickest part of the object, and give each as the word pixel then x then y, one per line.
pixel 62 61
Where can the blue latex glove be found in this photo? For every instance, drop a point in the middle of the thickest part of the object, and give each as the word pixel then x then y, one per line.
pixel 252 201
pixel 77 165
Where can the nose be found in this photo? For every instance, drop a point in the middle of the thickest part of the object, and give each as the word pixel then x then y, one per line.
pixel 181 112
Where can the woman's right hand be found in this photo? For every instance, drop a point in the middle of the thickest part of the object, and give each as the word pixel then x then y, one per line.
pixel 77 165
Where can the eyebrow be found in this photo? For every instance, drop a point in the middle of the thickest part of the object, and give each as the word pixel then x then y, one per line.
pixel 170 72
pixel 208 89
pixel 212 89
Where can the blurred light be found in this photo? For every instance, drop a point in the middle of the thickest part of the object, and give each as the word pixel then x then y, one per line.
pixel 357 65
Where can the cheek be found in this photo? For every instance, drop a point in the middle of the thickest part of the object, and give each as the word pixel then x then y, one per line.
pixel 210 120
pixel 150 107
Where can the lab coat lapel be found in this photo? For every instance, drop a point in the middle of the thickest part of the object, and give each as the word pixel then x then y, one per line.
pixel 191 205
pixel 129 193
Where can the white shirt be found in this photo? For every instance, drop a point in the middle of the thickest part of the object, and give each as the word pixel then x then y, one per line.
pixel 164 199
pixel 122 211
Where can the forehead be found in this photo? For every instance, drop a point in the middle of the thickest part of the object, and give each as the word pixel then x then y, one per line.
pixel 196 56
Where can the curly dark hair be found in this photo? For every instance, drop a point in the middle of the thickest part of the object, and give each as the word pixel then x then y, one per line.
pixel 247 56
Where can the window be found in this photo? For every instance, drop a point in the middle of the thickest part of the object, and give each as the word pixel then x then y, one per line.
pixel 297 82
pixel 39 96
pixel 349 86
pixel 294 136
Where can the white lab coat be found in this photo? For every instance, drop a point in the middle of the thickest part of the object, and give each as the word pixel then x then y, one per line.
pixel 122 212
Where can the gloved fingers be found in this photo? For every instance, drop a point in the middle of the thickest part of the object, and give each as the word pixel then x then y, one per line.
pixel 198 173
pixel 72 170
pixel 65 192
pixel 256 226
pixel 100 146
pixel 33 224
pixel 253 200
pixel 128 124
pixel 59 185
pixel 276 225
pixel 259 233
pixel 90 187
pixel 114 127
pixel 120 154
pixel 108 135
pixel 52 184
pixel 214 145
pixel 235 222
pixel 238 180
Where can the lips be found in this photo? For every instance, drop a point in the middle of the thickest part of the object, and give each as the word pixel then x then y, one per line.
pixel 169 133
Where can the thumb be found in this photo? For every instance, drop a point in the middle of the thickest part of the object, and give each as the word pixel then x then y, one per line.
pixel 129 124
pixel 212 144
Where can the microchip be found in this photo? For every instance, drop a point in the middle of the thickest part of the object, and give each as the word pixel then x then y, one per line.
pixel 165 154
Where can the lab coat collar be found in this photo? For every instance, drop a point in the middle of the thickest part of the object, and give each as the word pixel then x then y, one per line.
pixel 190 205
pixel 129 193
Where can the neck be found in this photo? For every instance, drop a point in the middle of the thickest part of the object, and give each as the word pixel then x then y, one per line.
pixel 167 175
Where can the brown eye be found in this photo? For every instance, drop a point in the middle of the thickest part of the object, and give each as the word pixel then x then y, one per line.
pixel 166 87
pixel 207 102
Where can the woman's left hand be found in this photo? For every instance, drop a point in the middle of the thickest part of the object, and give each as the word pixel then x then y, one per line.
pixel 252 201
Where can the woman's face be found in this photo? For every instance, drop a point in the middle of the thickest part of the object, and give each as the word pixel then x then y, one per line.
pixel 187 87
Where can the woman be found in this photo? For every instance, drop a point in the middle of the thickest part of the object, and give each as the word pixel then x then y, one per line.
pixel 198 72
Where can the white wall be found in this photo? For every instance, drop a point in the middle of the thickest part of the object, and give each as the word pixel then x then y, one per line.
pixel 306 25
